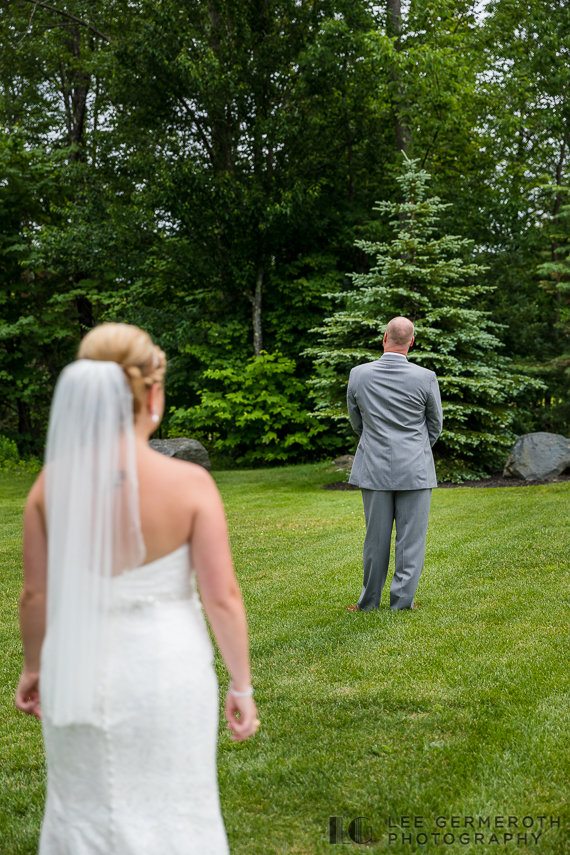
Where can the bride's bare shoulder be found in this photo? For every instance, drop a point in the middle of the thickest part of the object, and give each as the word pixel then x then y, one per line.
pixel 182 473
pixel 36 496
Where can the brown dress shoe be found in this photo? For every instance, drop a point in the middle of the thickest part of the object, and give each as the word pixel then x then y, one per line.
pixel 352 608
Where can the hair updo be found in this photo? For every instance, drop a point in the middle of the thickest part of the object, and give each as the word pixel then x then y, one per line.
pixel 143 362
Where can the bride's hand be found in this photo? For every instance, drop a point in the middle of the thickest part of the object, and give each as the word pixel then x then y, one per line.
pixel 247 723
pixel 28 693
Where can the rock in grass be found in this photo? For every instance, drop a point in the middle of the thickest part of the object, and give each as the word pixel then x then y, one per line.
pixel 536 456
pixel 183 448
pixel 344 463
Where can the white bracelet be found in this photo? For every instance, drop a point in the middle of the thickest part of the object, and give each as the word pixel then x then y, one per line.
pixel 247 694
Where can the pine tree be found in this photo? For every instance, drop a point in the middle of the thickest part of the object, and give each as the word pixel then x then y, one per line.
pixel 431 280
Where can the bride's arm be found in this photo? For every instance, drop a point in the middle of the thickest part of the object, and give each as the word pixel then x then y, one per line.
pixel 222 601
pixel 33 599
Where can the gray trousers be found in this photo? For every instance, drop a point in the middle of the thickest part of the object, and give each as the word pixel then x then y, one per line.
pixel 410 510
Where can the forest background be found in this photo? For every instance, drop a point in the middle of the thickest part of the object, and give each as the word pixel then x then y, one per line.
pixel 231 176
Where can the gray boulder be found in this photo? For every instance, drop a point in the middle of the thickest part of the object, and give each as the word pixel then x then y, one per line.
pixel 183 448
pixel 344 463
pixel 537 456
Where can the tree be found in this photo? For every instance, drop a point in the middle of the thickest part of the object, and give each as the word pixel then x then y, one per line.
pixel 220 158
pixel 205 143
pixel 524 120
pixel 430 279
pixel 35 341
pixel 524 127
pixel 50 100
pixel 254 116
pixel 257 110
pixel 556 372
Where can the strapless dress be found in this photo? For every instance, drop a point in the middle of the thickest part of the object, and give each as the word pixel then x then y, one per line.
pixel 145 781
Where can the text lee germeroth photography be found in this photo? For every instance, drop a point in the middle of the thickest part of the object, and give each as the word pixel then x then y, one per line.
pixel 500 829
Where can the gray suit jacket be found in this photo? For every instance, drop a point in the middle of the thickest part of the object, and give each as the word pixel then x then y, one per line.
pixel 395 407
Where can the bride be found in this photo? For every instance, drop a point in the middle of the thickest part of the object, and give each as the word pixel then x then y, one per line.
pixel 115 535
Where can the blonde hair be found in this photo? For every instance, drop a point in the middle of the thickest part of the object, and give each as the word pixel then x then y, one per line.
pixel 143 362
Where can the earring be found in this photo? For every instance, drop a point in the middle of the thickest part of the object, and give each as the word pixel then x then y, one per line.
pixel 155 417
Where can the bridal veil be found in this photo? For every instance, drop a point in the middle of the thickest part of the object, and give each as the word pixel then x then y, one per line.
pixel 93 526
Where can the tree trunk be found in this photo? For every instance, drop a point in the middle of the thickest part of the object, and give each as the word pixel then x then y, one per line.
pixel 557 204
pixel 75 88
pixel 559 174
pixel 256 300
pixel 349 153
pixel 220 116
pixel 85 313
pixel 256 314
pixel 24 423
pixel 398 99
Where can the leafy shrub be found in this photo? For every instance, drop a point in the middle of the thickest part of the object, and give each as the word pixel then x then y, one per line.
pixel 8 451
pixel 252 413
pixel 457 471
pixel 10 459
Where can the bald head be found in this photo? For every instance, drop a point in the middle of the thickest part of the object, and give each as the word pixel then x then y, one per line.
pixel 399 335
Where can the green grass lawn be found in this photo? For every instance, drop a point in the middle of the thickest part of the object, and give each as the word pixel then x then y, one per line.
pixel 459 709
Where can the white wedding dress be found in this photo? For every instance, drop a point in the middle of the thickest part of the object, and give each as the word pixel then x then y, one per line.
pixel 145 781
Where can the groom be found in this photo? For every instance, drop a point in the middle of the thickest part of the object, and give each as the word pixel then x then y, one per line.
pixel 395 408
